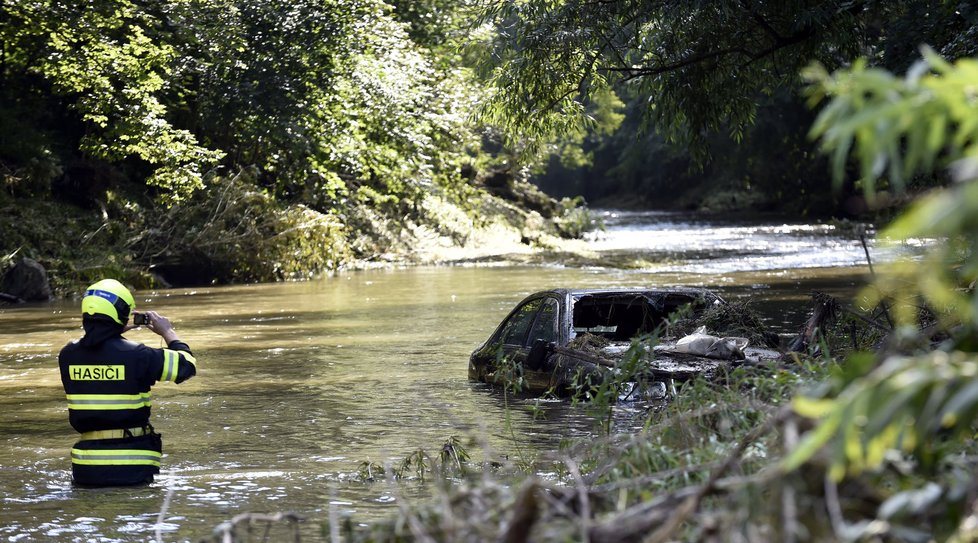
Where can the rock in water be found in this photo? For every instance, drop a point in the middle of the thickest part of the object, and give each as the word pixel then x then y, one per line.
pixel 28 281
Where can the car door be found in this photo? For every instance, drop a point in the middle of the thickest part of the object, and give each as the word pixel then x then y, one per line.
pixel 515 332
pixel 546 324
pixel 532 320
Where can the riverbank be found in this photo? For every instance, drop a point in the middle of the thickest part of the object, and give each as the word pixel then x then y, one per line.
pixel 234 233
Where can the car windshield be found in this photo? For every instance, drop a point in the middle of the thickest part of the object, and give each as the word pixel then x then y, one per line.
pixel 620 316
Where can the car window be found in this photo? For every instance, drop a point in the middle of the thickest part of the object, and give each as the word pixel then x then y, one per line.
pixel 516 328
pixel 546 325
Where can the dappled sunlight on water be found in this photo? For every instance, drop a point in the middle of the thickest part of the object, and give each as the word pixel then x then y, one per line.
pixel 300 383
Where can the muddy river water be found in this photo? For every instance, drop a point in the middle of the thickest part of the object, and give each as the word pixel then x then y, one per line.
pixel 300 383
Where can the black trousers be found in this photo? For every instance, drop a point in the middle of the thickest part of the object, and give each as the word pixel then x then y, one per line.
pixel 116 462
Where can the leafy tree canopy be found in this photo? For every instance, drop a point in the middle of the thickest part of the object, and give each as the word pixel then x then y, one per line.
pixel 104 56
pixel 325 100
pixel 702 65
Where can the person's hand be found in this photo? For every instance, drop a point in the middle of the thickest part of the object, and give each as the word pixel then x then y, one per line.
pixel 161 326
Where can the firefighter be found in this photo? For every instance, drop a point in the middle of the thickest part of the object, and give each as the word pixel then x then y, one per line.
pixel 107 380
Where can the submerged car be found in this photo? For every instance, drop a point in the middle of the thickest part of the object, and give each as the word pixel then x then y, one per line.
pixel 557 340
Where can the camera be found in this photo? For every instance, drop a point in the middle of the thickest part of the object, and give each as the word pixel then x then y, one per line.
pixel 140 319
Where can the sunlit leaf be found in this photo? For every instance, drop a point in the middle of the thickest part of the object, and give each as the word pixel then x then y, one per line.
pixel 813 408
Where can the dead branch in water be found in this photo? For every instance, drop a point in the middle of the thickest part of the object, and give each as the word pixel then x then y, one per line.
pixel 824 314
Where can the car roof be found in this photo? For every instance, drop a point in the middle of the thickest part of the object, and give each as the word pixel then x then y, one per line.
pixel 577 292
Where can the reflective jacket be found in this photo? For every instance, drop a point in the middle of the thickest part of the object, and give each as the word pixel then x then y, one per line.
pixel 109 387
pixel 107 381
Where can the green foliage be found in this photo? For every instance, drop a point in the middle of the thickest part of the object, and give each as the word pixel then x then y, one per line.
pixel 343 108
pixel 416 462
pixel 325 110
pixel 251 75
pixel 508 372
pixel 76 247
pixel 238 232
pixel 912 404
pixel 574 219
pixel 104 56
pixel 710 91
pixel 604 117
pixel 550 57
pixel 686 438
pixel 629 380
pixel 454 455
pixel 898 127
pixel 875 116
pixel 452 460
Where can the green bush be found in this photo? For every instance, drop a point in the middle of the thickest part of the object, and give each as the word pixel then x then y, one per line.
pixel 236 232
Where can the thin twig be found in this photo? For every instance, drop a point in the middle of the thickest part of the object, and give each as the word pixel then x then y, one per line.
pixel 334 525
pixel 866 319
pixel 621 446
pixel 87 237
pixel 525 513
pixel 417 529
pixel 582 496
pixel 789 502
pixel 872 272
pixel 642 517
pixel 162 515
pixel 646 480
pixel 834 508
pixel 967 530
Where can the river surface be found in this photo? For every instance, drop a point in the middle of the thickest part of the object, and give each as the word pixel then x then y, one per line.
pixel 300 383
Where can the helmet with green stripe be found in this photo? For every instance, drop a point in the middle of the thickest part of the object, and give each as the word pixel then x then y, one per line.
pixel 108 297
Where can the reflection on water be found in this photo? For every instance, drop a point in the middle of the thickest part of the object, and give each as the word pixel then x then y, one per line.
pixel 683 243
pixel 300 383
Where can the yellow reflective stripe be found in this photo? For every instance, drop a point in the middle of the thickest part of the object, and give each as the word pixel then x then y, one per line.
pixel 189 357
pixel 109 401
pixel 171 363
pixel 116 457
pixel 170 359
